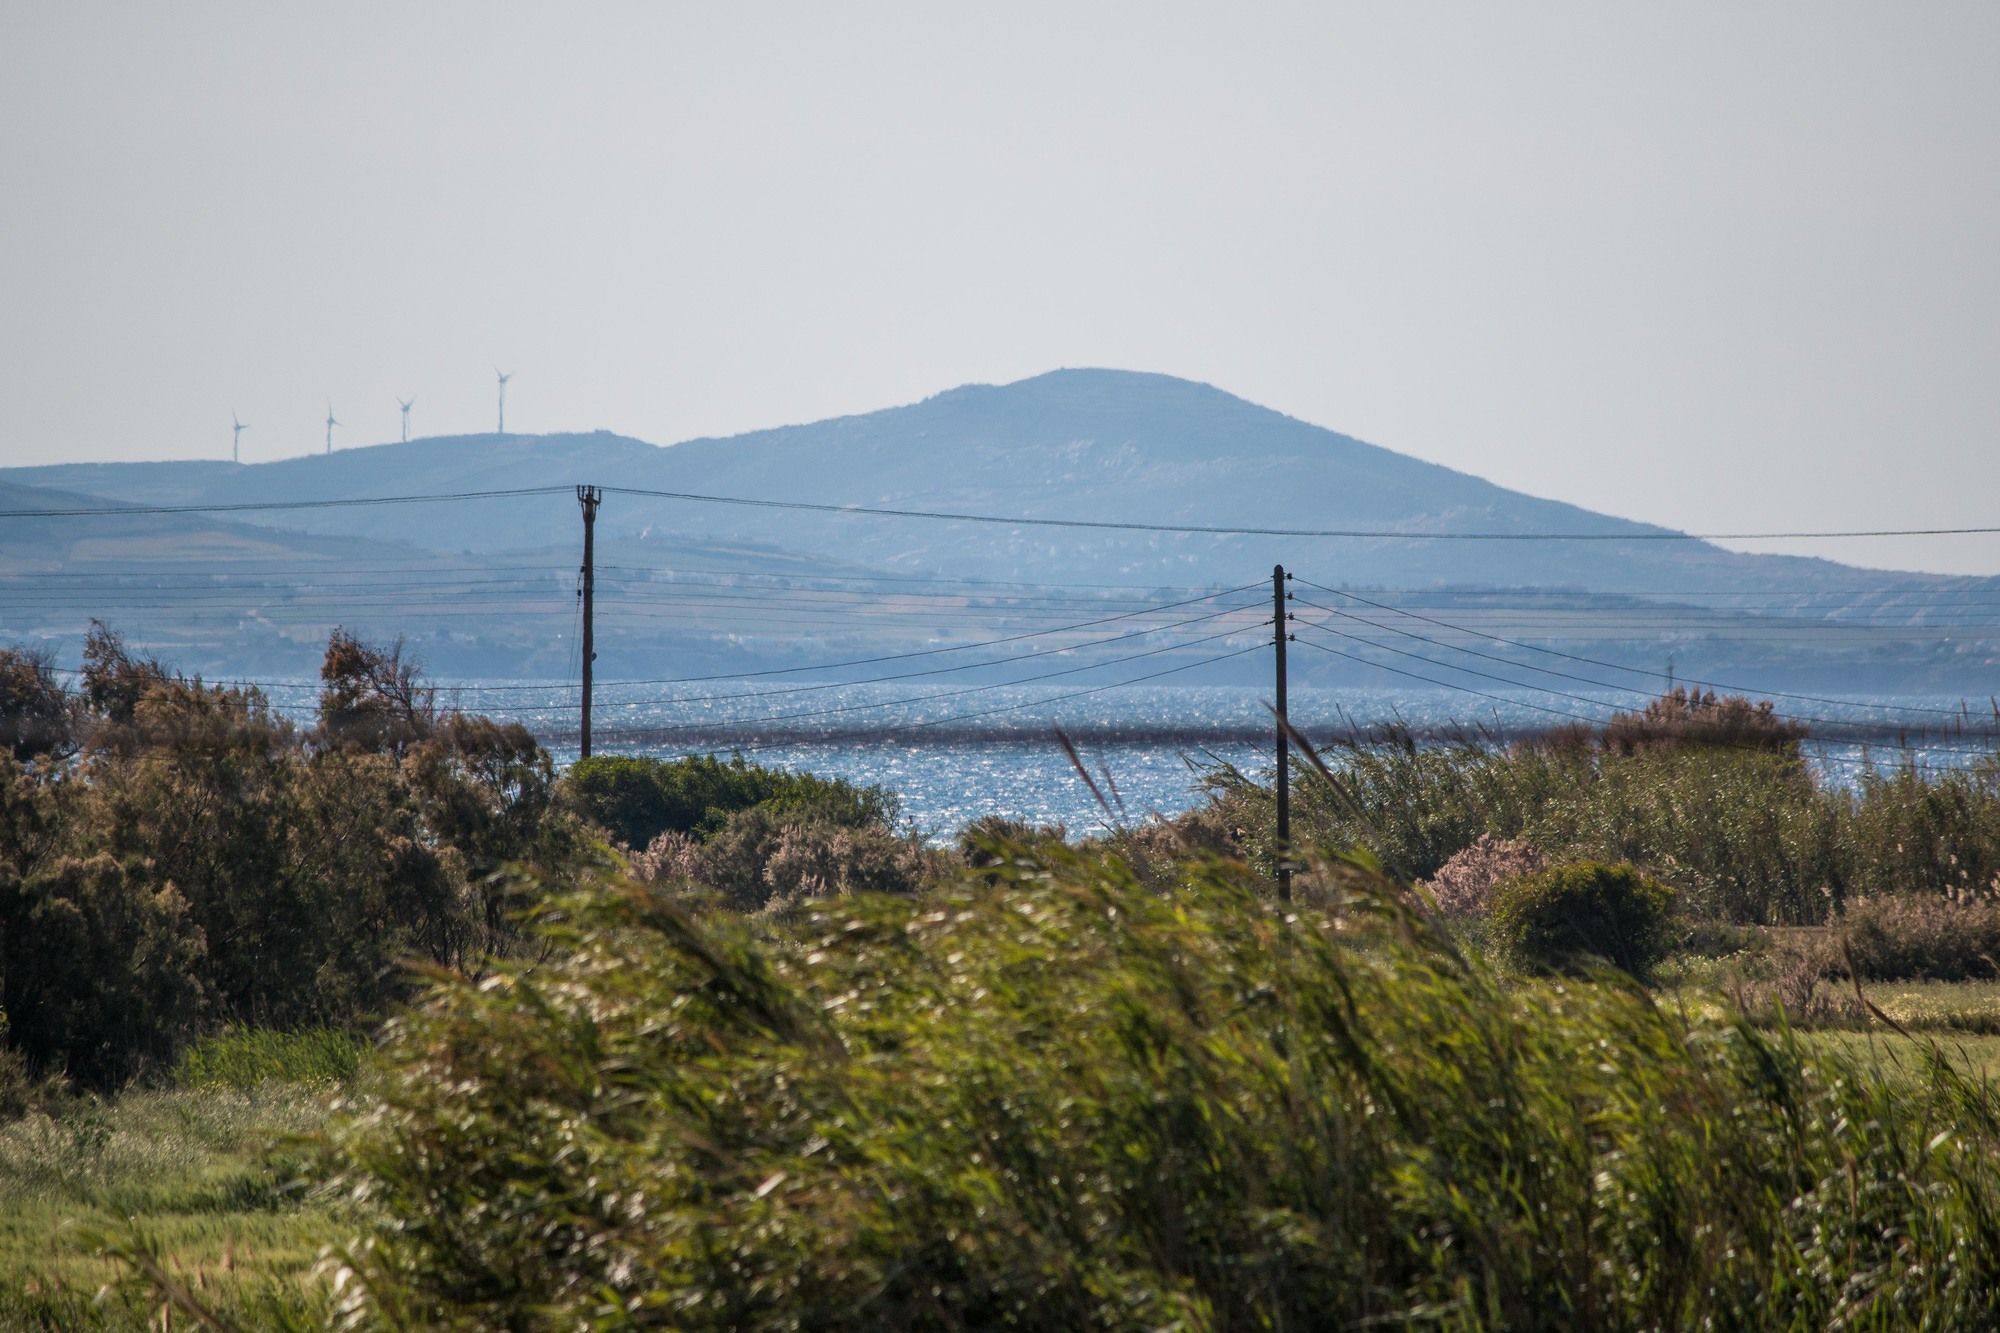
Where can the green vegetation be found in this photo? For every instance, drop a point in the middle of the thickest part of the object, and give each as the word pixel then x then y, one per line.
pixel 638 799
pixel 1741 833
pixel 1581 913
pixel 210 1179
pixel 797 1070
pixel 176 858
pixel 248 1058
pixel 1063 1100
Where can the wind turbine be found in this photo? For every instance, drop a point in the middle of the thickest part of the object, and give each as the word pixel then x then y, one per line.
pixel 236 438
pixel 503 396
pixel 330 424
pixel 406 406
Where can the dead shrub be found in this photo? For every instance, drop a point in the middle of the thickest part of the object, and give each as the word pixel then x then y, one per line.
pixel 1924 937
pixel 668 858
pixel 1463 886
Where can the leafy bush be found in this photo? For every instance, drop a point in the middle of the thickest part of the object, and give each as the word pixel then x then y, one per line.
pixel 1572 914
pixel 813 859
pixel 637 799
pixel 1914 830
pixel 200 862
pixel 1080 1104
pixel 100 973
pixel 987 841
pixel 17 1091
pixel 371 698
pixel 1463 886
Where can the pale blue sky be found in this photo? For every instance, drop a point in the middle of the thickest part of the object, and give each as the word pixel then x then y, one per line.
pixel 1717 265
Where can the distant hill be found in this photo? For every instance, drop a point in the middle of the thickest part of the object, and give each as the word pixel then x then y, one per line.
pixel 1073 444
pixel 1092 444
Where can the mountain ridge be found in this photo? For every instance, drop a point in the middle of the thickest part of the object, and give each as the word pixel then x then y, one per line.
pixel 1086 444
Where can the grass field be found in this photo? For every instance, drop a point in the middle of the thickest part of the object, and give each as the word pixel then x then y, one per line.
pixel 1902 1057
pixel 209 1175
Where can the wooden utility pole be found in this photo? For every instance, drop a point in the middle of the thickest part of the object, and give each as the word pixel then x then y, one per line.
pixel 588 497
pixel 1284 742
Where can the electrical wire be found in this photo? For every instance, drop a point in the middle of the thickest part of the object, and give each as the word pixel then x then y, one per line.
pixel 1227 531
pixel 1862 761
pixel 1040 703
pixel 1615 666
pixel 901 675
pixel 1802 719
pixel 472 687
pixel 717 723
pixel 873 511
pixel 258 506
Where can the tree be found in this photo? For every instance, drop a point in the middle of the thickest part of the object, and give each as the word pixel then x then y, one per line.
pixel 113 679
pixel 37 715
pixel 371 698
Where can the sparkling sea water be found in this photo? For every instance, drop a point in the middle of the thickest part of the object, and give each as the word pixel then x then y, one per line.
pixel 952 756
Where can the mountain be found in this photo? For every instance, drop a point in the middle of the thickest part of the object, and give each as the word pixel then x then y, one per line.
pixel 1073 444
pixel 1100 445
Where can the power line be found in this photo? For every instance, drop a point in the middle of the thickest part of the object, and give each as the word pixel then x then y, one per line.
pixel 717 723
pixel 1043 703
pixel 258 506
pixel 1452 666
pixel 1802 719
pixel 1227 531
pixel 1822 757
pixel 874 511
pixel 780 671
pixel 1615 666
pixel 1448 685
pixel 905 675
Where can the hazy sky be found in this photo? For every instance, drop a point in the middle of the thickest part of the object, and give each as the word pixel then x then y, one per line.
pixel 1722 266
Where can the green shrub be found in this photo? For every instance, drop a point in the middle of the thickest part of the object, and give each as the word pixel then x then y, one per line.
pixel 1913 831
pixel 1079 1104
pixel 637 799
pixel 1572 914
pixel 202 862
pixel 101 975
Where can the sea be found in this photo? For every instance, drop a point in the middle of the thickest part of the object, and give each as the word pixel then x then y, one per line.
pixel 951 756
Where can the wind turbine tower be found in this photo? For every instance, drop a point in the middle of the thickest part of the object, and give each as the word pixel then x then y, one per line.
pixel 236 429
pixel 503 396
pixel 406 406
pixel 330 424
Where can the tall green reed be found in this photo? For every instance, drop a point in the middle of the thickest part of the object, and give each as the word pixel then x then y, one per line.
pixel 1051 1098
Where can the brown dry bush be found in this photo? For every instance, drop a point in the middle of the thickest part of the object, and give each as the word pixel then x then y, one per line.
pixel 1683 717
pixel 1924 937
pixel 1463 886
